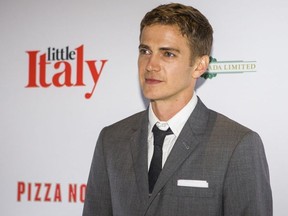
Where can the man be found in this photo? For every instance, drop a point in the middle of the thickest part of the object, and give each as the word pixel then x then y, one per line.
pixel 209 164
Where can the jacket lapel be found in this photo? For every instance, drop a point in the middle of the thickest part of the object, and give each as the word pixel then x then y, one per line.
pixel 191 135
pixel 139 151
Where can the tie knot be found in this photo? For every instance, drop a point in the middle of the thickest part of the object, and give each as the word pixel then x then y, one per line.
pixel 159 135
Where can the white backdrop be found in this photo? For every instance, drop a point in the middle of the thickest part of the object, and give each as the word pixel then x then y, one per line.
pixel 48 129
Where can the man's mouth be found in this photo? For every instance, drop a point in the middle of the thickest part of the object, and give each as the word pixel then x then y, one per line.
pixel 152 81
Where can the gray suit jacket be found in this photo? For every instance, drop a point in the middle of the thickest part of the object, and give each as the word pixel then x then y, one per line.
pixel 210 148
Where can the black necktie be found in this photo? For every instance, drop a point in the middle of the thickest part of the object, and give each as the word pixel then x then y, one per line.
pixel 156 162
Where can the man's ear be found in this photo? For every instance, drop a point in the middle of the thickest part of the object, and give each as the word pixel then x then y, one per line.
pixel 201 66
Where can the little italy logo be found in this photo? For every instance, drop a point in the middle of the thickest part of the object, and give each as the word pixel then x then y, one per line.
pixel 62 68
pixel 224 67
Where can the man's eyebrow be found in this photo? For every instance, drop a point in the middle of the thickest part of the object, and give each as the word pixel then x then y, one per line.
pixel 170 49
pixel 143 46
pixel 161 48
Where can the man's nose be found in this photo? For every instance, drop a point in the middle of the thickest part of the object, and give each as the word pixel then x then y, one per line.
pixel 153 63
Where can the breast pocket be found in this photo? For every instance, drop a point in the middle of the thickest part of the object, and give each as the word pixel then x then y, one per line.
pixel 192 191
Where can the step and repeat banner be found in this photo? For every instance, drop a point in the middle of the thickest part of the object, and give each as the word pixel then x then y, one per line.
pixel 69 68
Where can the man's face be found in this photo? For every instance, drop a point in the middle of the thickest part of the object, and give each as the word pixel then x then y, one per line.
pixel 164 60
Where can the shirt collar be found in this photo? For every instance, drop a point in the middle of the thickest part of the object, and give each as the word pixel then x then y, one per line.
pixel 177 122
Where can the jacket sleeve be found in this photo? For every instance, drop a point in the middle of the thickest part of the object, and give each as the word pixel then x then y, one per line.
pixel 247 188
pixel 98 196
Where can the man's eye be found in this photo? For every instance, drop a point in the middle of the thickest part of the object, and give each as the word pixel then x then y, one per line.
pixel 144 51
pixel 169 54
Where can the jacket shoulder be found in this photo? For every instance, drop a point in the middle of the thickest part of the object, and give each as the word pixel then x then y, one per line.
pixel 132 122
pixel 227 131
pixel 225 123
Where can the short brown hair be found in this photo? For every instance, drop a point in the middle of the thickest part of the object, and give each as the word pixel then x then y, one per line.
pixel 191 22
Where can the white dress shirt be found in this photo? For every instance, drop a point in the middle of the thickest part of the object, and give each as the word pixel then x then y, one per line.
pixel 176 123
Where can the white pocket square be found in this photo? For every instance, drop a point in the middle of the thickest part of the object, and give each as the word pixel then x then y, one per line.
pixel 192 183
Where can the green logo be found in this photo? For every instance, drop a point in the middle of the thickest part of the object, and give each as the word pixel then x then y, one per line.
pixel 224 67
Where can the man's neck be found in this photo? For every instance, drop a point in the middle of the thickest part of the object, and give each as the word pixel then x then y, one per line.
pixel 165 110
